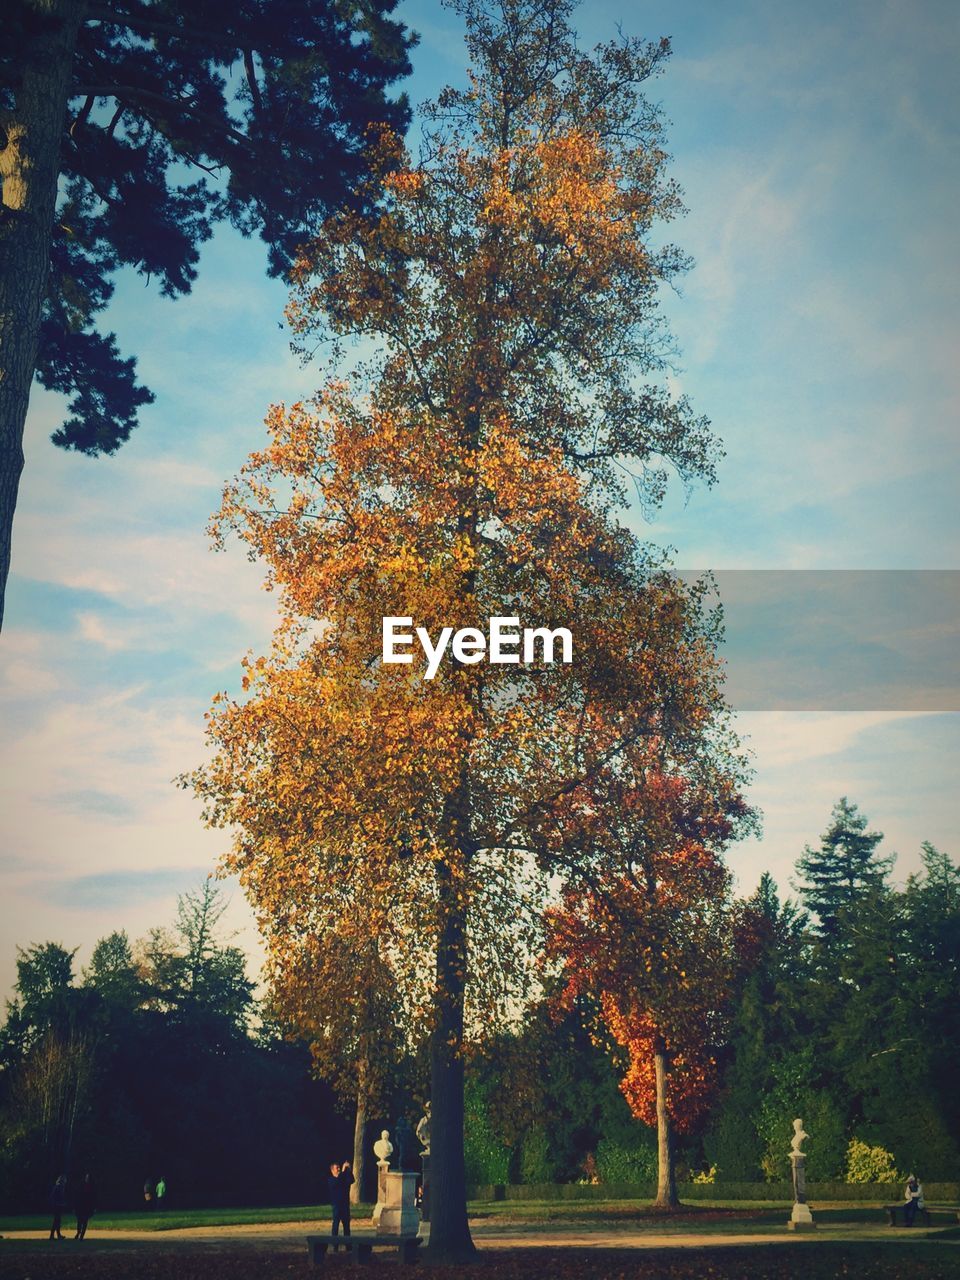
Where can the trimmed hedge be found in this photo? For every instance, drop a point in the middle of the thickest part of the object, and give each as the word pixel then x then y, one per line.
pixel 884 1192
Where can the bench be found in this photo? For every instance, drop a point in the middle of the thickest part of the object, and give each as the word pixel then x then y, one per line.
pixel 362 1247
pixel 924 1213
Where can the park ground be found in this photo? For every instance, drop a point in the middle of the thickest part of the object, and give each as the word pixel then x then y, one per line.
pixel 598 1241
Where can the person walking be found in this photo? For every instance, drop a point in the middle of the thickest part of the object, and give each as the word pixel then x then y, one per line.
pixel 148 1193
pixel 86 1203
pixel 58 1200
pixel 912 1199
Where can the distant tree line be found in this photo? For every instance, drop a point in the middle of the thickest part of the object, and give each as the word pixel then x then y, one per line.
pixel 845 1010
pixel 156 1061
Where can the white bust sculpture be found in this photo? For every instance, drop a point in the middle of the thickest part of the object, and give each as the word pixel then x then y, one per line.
pixel 383 1148
pixel 798 1138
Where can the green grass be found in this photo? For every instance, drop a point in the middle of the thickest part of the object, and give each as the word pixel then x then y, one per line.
pixel 707 1216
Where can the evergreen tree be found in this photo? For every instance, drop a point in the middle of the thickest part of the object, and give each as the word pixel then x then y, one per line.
pixel 766 1023
pixel 113 973
pixel 845 865
pixel 127 131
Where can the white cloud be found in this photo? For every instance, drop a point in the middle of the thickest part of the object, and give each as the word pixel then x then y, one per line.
pixel 782 739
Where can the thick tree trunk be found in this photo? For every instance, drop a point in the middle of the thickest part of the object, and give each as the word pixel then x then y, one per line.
pixel 359 1143
pixel 666 1175
pixel 450 1238
pixel 30 137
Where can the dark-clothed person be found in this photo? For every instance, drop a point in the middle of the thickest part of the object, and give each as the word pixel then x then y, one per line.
pixel 338 1186
pixel 58 1200
pixel 86 1203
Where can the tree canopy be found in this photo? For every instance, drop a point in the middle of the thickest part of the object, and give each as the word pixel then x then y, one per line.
pixel 127 131
pixel 472 468
pixel 845 866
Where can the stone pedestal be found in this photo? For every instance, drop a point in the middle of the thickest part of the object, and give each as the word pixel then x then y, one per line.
pixel 399 1216
pixel 383 1169
pixel 801 1219
pixel 425 1188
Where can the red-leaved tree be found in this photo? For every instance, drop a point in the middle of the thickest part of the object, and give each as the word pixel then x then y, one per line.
pixel 646 934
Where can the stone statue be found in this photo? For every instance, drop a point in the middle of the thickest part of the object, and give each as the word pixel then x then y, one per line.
pixel 801 1219
pixel 798 1139
pixel 423 1130
pixel 423 1137
pixel 797 1159
pixel 383 1148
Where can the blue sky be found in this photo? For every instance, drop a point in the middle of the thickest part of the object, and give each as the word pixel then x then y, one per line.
pixel 818 148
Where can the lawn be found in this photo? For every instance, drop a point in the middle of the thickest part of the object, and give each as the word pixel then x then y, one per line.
pixel 171 1220
pixel 699 1215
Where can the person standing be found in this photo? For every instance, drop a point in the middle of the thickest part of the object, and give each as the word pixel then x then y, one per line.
pixel 148 1193
pixel 161 1193
pixel 346 1182
pixel 86 1203
pixel 333 1194
pixel 912 1199
pixel 338 1185
pixel 58 1200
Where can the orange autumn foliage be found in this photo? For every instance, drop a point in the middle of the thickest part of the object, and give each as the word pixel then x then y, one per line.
pixel 472 466
pixel 649 938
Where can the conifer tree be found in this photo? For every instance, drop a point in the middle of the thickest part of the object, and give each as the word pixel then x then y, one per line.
pixel 127 131
pixel 844 867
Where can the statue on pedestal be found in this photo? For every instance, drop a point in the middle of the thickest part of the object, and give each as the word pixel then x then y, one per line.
pixel 797 1159
pixel 423 1137
pixel 801 1219
pixel 399 1216
pixel 423 1130
pixel 383 1150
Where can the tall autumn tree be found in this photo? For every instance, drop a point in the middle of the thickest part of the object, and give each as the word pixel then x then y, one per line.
pixel 471 468
pixel 645 930
pixel 356 1043
pixel 127 130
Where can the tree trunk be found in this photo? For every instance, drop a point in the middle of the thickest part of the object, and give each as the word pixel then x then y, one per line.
pixel 450 1238
pixel 30 138
pixel 666 1175
pixel 359 1143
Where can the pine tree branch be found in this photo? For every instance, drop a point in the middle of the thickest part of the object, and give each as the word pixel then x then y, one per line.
pixel 251 72
pixel 131 95
pixel 146 24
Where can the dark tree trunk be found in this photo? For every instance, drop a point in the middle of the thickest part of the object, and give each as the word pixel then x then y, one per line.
pixel 30 137
pixel 359 1142
pixel 666 1175
pixel 450 1238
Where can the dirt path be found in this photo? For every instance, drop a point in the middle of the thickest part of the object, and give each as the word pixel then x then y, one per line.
pixel 289 1236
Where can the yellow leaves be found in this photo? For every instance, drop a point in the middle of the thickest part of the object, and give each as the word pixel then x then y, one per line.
pixel 447 481
pixel 560 192
pixel 405 182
